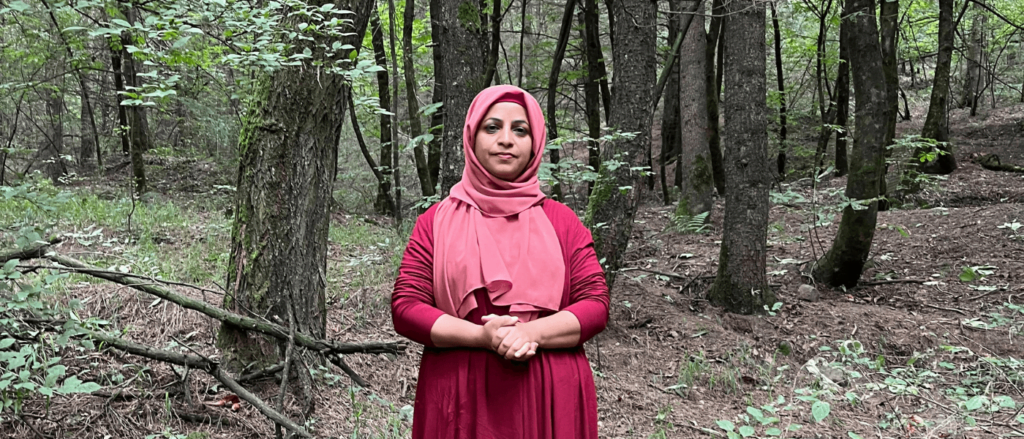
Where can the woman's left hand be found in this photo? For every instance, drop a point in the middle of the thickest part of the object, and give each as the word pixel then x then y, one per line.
pixel 520 342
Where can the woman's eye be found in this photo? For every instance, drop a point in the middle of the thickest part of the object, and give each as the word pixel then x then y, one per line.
pixel 522 131
pixel 491 129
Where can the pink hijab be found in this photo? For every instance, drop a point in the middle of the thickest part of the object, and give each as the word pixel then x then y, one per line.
pixel 493 234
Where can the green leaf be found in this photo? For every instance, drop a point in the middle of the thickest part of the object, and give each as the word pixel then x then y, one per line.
pixel 773 432
pixel 182 42
pixel 757 414
pixel 746 431
pixel 819 410
pixel 6 343
pixel 19 6
pixel 853 435
pixel 75 385
pixel 975 403
pixel 725 425
pixel 121 22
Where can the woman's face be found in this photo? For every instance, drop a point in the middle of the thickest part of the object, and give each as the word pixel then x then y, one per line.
pixel 503 143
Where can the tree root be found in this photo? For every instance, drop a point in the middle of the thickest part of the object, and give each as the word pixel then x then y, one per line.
pixel 992 163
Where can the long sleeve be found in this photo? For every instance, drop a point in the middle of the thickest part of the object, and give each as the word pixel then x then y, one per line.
pixel 588 291
pixel 412 301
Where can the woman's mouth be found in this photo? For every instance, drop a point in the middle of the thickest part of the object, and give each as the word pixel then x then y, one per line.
pixel 506 156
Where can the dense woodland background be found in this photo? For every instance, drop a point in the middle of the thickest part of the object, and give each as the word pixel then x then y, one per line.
pixel 848 172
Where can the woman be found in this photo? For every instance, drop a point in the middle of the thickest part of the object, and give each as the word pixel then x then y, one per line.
pixel 503 288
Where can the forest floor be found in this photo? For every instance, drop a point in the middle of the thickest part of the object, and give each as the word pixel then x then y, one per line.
pixel 927 346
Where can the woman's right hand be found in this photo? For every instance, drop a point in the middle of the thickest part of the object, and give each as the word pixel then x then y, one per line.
pixel 494 330
pixel 497 328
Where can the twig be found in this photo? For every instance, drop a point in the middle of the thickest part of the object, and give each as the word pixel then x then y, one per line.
pixel 893 281
pixel 662 273
pixel 982 295
pixel 138 276
pixel 340 362
pixel 204 364
pixel 288 351
pixel 705 430
pixel 199 418
pixel 261 373
pixel 958 311
pixel 31 427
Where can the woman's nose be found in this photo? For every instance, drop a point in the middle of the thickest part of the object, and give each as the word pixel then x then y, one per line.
pixel 505 137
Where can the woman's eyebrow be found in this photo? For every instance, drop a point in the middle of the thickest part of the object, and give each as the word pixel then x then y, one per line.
pixel 521 121
pixel 494 119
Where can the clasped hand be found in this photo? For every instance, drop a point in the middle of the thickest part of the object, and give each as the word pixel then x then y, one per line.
pixel 510 338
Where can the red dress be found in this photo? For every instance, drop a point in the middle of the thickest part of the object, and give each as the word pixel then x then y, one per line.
pixel 474 393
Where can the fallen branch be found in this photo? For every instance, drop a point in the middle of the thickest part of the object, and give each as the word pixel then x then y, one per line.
pixel 34 251
pixel 261 373
pixel 992 163
pixel 211 367
pixel 247 323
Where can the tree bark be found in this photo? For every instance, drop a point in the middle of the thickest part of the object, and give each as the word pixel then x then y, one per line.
pixel 461 36
pixel 616 194
pixel 382 204
pixel 844 262
pixel 288 158
pixel 780 162
pixel 974 77
pixel 936 125
pixel 595 57
pixel 712 85
pixel 437 99
pixel 413 105
pixel 671 127
pixel 741 285
pixel 842 104
pixel 889 25
pixel 392 17
pixel 53 148
pixel 552 92
pixel 591 85
pixel 697 182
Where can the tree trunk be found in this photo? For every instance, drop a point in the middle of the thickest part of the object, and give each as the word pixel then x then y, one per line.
pixel 381 204
pixel 122 111
pixel 842 103
pixel 90 138
pixel 616 195
pixel 671 128
pixel 695 161
pixel 461 36
pixel 741 285
pixel 780 162
pixel 712 84
pixel 382 179
pixel 287 160
pixel 392 17
pixel 974 75
pixel 595 57
pixel 413 105
pixel 437 99
pixel 591 85
pixel 936 125
pixel 552 93
pixel 53 148
pixel 495 34
pixel 888 25
pixel 844 262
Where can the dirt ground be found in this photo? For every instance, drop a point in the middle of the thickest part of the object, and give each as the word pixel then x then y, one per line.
pixel 912 352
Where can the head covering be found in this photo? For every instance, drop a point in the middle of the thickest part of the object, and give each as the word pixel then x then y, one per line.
pixel 491 233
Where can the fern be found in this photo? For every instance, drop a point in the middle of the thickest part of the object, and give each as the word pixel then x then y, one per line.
pixel 687 224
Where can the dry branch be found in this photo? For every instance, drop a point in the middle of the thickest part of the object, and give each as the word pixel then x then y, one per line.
pixel 35 251
pixel 247 323
pixel 197 362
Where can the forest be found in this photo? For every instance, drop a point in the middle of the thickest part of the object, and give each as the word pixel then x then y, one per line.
pixel 810 213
